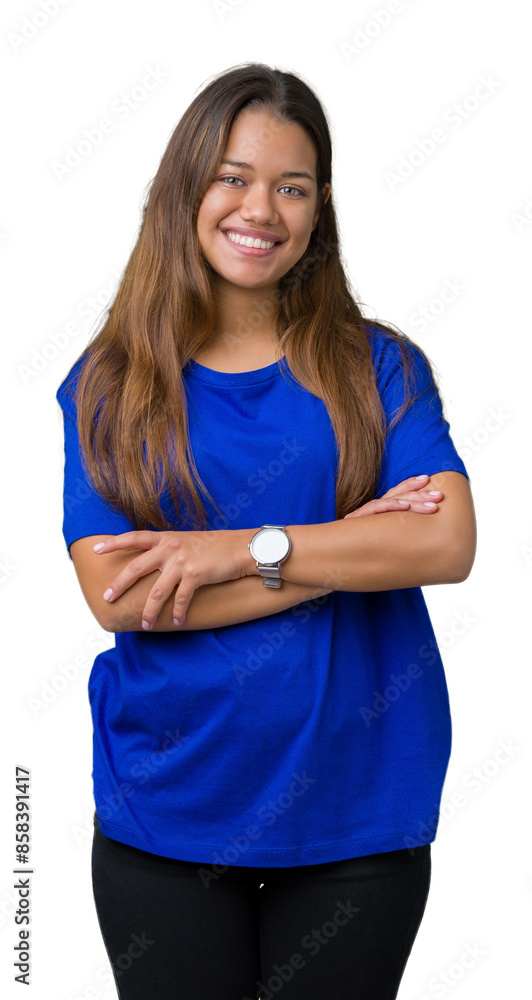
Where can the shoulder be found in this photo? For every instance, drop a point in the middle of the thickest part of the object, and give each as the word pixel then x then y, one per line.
pixel 393 353
pixel 388 349
pixel 66 392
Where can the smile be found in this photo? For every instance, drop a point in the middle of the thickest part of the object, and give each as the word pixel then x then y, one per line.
pixel 249 246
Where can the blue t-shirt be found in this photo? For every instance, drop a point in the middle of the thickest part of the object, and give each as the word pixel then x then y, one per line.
pixel 315 734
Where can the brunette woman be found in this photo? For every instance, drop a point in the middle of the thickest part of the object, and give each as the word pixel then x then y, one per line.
pixel 258 482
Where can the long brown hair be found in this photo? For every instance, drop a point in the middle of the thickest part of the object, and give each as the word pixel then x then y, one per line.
pixel 130 396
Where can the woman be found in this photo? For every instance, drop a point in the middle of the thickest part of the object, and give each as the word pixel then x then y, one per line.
pixel 269 754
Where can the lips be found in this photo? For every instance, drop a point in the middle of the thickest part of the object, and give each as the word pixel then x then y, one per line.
pixel 246 251
pixel 254 234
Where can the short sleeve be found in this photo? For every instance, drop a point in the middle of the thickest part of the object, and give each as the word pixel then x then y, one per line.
pixel 84 510
pixel 420 442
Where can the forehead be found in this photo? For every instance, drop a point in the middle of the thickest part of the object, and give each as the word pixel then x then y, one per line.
pixel 259 138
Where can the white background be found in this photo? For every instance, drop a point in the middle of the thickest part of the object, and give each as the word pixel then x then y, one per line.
pixel 462 217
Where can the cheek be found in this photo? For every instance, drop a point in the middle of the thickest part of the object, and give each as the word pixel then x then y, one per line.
pixel 203 217
pixel 213 207
pixel 207 221
pixel 301 233
pixel 300 224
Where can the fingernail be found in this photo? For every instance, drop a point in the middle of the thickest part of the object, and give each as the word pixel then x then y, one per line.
pixel 434 493
pixel 177 621
pixel 428 503
pixel 108 594
pixel 403 501
pixel 98 546
pixel 421 477
pixel 145 625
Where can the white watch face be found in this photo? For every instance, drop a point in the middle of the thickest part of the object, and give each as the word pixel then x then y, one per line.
pixel 270 546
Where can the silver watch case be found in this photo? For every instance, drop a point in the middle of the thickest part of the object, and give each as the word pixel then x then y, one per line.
pixel 269 547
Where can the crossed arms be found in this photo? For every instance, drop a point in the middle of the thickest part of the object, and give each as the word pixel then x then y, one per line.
pixel 389 548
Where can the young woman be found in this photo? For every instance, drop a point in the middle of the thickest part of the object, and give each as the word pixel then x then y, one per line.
pixel 272 727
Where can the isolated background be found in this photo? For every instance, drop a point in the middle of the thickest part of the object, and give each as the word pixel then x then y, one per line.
pixel 388 74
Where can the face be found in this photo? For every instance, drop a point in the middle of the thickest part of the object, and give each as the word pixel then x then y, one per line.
pixel 257 202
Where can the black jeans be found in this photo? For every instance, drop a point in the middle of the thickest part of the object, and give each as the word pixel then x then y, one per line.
pixel 342 930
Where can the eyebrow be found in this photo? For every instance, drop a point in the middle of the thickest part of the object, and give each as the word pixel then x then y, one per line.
pixel 287 173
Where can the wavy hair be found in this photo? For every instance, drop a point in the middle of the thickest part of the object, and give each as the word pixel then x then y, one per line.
pixel 130 395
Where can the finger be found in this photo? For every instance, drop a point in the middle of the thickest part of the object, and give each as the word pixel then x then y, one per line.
pixel 128 540
pixel 140 566
pixel 433 496
pixel 419 506
pixel 377 506
pixel 157 597
pixel 412 483
pixel 423 507
pixel 182 600
pixel 394 503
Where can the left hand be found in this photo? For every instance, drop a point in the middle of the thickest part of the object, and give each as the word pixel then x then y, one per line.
pixel 187 558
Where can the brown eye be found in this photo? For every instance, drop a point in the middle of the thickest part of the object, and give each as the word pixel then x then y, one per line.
pixel 231 178
pixel 290 188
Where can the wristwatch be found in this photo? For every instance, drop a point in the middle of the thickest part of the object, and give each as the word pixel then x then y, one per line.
pixel 270 546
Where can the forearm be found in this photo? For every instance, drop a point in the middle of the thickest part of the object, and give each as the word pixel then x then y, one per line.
pixel 211 606
pixel 386 551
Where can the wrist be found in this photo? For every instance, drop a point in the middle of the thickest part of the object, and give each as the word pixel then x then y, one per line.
pixel 269 547
pixel 249 565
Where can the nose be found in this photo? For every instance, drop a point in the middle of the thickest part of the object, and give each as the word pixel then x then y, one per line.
pixel 257 206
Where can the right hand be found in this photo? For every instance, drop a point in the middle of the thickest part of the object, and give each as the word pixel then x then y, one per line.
pixel 411 491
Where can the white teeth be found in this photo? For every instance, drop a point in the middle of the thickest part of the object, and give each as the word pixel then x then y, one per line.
pixel 248 241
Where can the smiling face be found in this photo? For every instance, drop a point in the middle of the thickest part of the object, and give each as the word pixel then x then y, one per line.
pixel 260 201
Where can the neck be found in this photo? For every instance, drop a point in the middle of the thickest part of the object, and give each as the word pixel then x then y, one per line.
pixel 245 320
